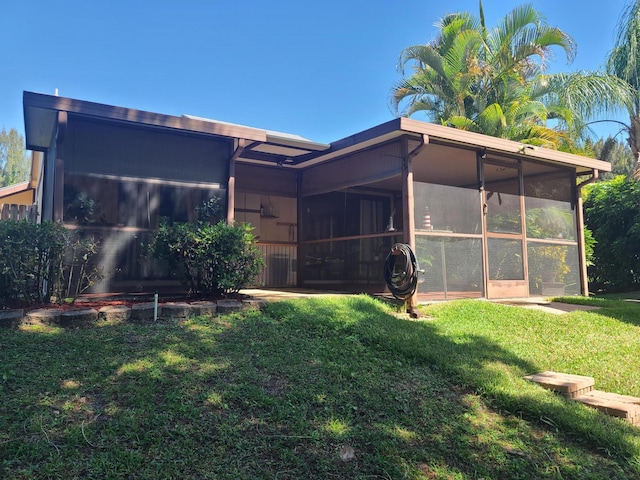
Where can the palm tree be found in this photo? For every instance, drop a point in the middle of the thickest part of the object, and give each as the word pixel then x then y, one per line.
pixel 494 81
pixel 617 153
pixel 624 63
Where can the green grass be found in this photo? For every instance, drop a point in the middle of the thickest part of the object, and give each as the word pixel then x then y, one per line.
pixel 279 394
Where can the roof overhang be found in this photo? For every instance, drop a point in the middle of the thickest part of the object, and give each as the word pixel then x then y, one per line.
pixel 40 117
pixel 500 146
pixel 438 134
pixel 40 114
pixel 277 148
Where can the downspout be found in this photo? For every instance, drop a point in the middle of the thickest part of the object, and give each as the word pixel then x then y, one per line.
pixel 408 201
pixel 407 188
pixel 584 281
pixel 231 185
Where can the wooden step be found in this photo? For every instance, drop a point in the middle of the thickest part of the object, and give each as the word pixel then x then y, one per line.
pixel 622 406
pixel 565 384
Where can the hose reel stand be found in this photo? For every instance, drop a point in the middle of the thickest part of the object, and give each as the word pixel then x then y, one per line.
pixel 401 272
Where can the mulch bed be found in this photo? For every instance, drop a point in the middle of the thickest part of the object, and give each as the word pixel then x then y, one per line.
pixel 96 302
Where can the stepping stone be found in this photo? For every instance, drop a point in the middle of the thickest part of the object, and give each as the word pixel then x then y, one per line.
pixel 114 313
pixel 570 386
pixel 204 308
pixel 11 318
pixel 229 306
pixel 80 317
pixel 176 310
pixel 622 406
pixel 42 316
pixel 144 311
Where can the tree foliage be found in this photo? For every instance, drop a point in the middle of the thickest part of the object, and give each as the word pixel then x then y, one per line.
pixel 14 163
pixel 624 62
pixel 612 213
pixel 617 153
pixel 493 81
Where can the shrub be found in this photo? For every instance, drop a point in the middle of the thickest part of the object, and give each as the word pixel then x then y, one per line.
pixel 612 213
pixel 38 261
pixel 76 273
pixel 27 253
pixel 209 259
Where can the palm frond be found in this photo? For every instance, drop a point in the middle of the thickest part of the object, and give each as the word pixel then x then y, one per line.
pixel 461 123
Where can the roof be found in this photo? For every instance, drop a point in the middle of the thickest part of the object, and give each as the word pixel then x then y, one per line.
pixel 439 134
pixel 40 113
pixel 13 189
pixel 277 143
pixel 20 194
pixel 288 150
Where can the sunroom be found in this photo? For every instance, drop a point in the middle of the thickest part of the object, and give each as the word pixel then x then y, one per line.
pixel 485 217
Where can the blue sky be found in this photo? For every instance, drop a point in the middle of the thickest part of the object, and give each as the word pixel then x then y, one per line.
pixel 322 70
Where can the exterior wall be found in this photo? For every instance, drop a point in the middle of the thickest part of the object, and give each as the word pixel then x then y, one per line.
pixel 552 232
pixel 328 226
pixel 142 153
pixel 20 198
pixel 266 198
pixel 494 228
pixel 448 222
pixel 119 181
pixel 346 230
pixel 497 227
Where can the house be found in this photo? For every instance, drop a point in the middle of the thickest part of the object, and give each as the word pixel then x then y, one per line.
pixel 19 200
pixel 486 217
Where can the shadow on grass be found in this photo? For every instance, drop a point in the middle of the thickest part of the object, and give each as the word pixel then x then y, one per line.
pixel 618 308
pixel 280 394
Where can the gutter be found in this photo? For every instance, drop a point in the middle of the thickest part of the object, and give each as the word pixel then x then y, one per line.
pixel 424 141
pixel 594 176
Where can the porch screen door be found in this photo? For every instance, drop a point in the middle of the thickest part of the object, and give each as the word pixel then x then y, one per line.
pixel 503 215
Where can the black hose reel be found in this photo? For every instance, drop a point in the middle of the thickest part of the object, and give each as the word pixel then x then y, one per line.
pixel 401 271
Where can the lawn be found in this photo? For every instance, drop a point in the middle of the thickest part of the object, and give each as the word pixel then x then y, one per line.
pixel 321 388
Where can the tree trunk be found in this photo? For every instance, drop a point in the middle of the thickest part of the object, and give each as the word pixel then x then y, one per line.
pixel 634 143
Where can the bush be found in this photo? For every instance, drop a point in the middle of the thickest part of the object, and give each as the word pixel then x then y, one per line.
pixel 612 213
pixel 209 259
pixel 38 261
pixel 27 253
pixel 76 272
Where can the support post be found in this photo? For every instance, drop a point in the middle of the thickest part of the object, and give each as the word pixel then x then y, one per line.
pixel 582 253
pixel 299 219
pixel 58 169
pixel 231 184
pixel 408 207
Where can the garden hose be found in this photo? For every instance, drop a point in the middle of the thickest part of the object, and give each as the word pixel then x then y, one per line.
pixel 401 271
